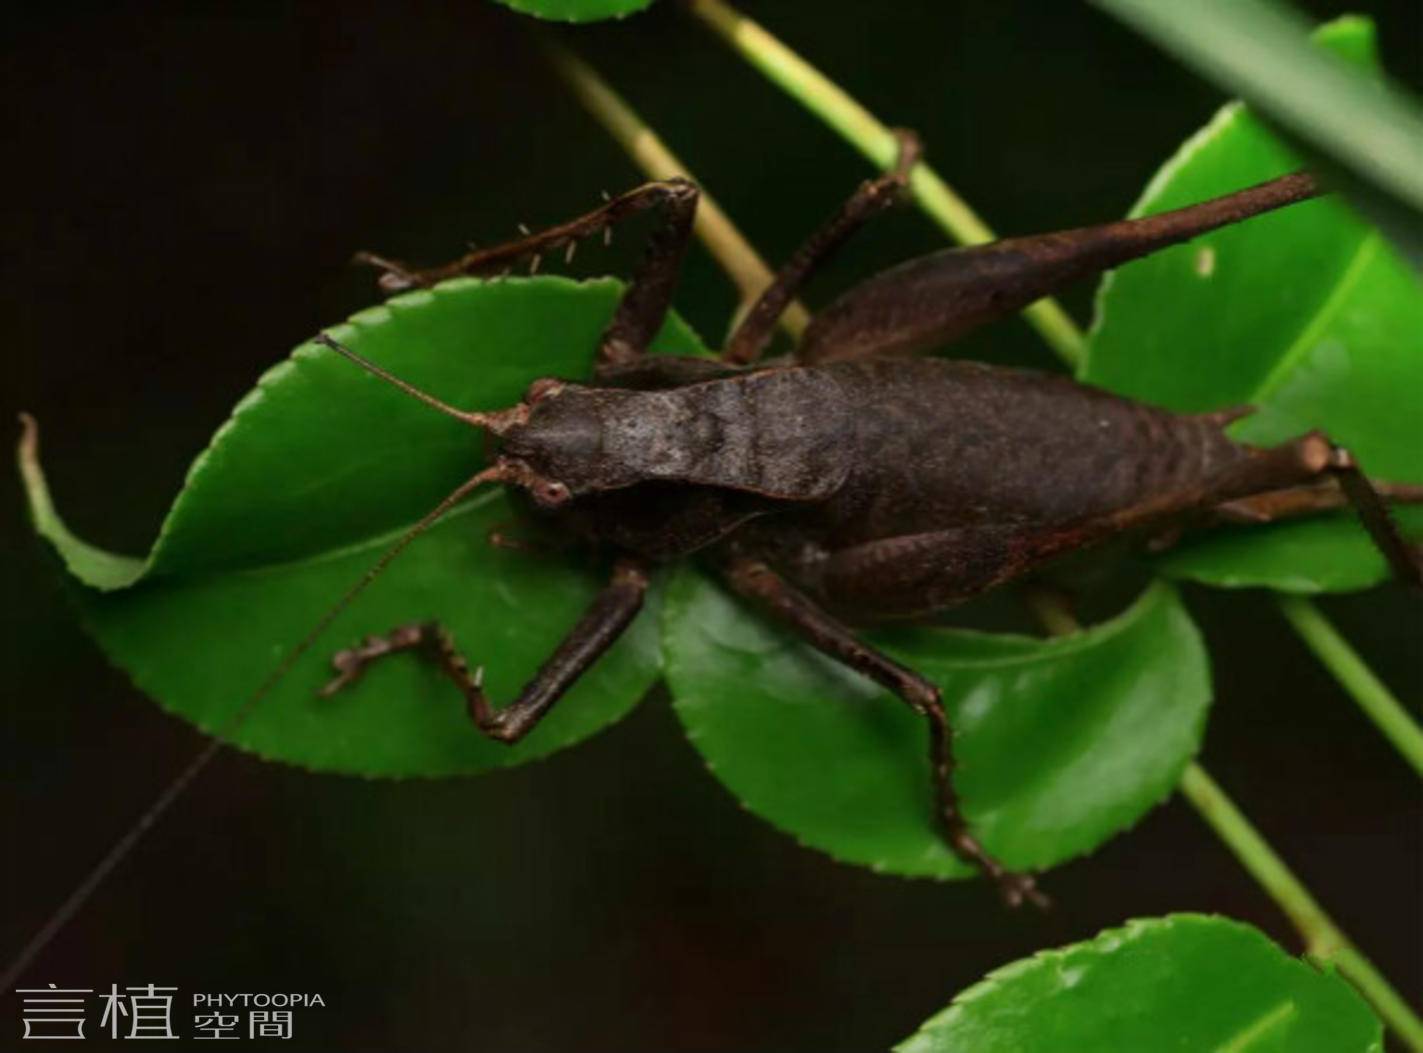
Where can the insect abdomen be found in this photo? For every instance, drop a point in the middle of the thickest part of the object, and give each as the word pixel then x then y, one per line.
pixel 945 444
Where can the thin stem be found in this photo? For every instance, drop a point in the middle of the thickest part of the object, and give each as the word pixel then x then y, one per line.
pixel 747 271
pixel 1372 984
pixel 866 133
pixel 1324 940
pixel 1372 696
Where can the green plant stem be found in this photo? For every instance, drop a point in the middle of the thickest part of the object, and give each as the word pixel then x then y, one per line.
pixel 1323 939
pixel 747 271
pixel 1357 679
pixel 866 133
pixel 1261 51
pixel 1321 936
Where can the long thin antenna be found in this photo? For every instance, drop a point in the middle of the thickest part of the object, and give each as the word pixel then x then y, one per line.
pixel 121 848
pixel 496 422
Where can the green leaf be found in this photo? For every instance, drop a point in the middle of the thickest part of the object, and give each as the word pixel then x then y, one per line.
pixel 315 474
pixel 1061 743
pixel 1185 982
pixel 1306 314
pixel 577 10
pixel 1371 135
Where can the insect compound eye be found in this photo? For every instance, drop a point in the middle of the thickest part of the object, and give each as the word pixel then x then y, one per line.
pixel 542 388
pixel 550 493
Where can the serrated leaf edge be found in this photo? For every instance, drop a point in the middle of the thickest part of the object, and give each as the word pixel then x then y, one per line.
pixel 1157 592
pixel 1106 942
pixel 137 674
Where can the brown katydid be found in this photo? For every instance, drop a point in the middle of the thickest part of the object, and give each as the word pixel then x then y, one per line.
pixel 849 481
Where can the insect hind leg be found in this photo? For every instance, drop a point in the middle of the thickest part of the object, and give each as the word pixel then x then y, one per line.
pixel 1404 560
pixel 1293 479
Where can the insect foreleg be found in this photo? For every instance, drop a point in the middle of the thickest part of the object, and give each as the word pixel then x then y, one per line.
pixel 759 582
pixel 871 198
pixel 610 613
pixel 645 302
pixel 400 277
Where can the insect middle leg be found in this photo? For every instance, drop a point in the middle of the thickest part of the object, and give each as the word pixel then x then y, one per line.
pixel 873 196
pixel 610 613
pixel 757 581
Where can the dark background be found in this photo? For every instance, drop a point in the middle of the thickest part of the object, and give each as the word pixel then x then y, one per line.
pixel 184 187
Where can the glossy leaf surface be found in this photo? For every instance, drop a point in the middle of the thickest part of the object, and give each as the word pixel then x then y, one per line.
pixel 1061 743
pixel 577 10
pixel 317 472
pixel 1369 135
pixel 1306 314
pixel 1183 982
